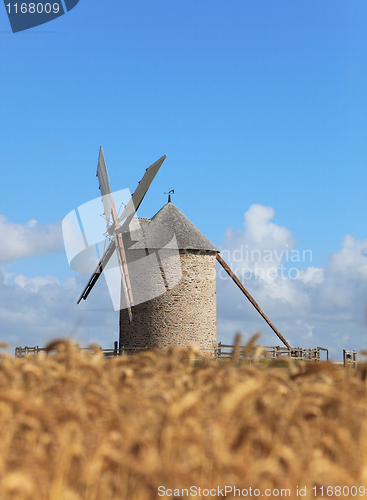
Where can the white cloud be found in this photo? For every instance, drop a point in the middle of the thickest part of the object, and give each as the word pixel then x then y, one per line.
pixel 35 310
pixel 324 306
pixel 19 241
pixel 312 276
pixel 36 283
pixel 260 247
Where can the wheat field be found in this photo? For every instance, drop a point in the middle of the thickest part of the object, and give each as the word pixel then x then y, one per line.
pixel 153 425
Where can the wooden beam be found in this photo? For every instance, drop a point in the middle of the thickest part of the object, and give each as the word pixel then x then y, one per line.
pixel 122 261
pixel 256 306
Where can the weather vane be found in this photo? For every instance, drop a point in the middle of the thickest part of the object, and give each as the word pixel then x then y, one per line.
pixel 171 191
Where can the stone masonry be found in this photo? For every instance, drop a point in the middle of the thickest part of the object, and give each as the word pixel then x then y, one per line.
pixel 186 314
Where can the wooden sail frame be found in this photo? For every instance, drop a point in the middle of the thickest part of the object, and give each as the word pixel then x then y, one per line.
pixel 115 229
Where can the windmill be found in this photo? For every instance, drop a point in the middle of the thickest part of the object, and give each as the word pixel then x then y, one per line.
pixel 182 310
pixel 114 228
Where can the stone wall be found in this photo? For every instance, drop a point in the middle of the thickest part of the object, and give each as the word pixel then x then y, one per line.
pixel 183 315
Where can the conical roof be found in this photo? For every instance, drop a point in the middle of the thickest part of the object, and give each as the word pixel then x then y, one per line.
pixel 168 223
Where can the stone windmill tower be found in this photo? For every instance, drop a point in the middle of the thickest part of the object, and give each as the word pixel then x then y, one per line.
pixel 185 313
pixel 168 273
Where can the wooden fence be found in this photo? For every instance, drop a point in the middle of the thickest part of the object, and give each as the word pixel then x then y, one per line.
pixel 221 351
pixel 20 352
pixel 296 353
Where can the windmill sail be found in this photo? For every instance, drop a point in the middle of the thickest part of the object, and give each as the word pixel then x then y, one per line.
pixel 98 271
pixel 127 214
pixel 141 190
pixel 104 186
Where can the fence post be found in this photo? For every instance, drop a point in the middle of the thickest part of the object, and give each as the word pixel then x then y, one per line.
pixel 115 347
pixel 219 349
pixel 349 357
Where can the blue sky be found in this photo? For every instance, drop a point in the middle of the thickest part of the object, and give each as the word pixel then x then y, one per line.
pixel 255 103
